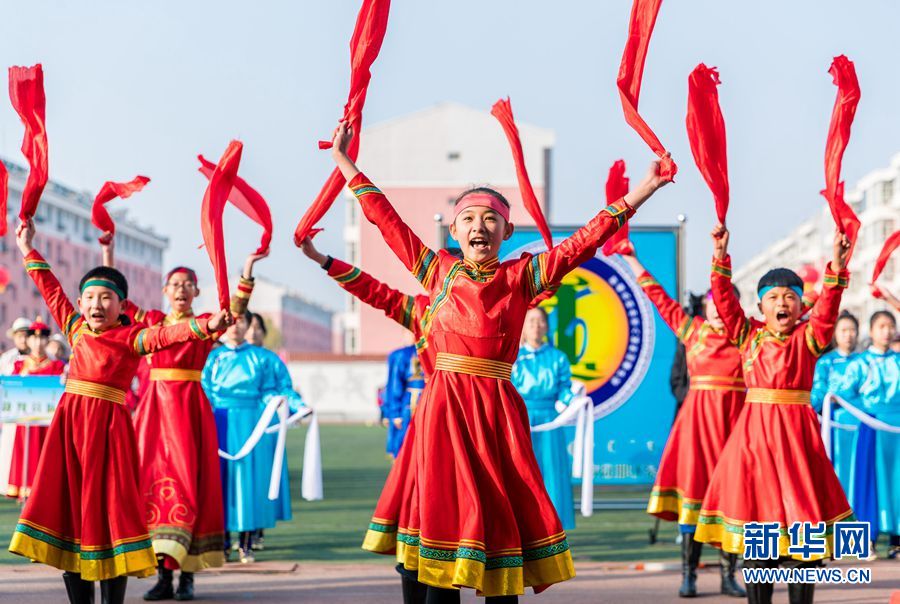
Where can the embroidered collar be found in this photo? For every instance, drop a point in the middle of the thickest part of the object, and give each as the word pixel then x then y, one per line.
pixel 480 271
pixel 177 317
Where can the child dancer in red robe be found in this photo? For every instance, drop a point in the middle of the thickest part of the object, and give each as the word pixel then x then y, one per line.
pixel 86 513
pixel 387 532
pixel 177 443
pixel 484 517
pixel 703 425
pixel 774 467
pixel 36 363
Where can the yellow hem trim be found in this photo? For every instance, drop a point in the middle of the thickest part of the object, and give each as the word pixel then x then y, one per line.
pixel 733 541
pixel 140 563
pixel 672 508
pixel 380 543
pixel 499 581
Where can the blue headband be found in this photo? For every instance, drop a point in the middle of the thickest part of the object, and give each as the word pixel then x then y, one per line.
pixel 762 292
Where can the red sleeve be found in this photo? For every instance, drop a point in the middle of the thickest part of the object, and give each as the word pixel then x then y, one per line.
pixel 822 319
pixel 60 308
pixel 153 339
pixel 421 261
pixel 670 310
pixel 395 305
pixel 737 326
pixel 550 267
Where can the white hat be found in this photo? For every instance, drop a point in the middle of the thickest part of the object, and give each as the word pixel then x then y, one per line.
pixel 20 324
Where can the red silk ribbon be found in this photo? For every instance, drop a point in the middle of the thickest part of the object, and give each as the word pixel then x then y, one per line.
pixel 631 71
pixel 220 185
pixel 706 134
pixel 502 110
pixel 110 190
pixel 848 95
pixel 247 200
pixel 26 91
pixel 368 35
pixel 616 188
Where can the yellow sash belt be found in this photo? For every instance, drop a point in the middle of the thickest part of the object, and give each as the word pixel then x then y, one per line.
pixel 458 363
pixel 718 382
pixel 93 390
pixel 776 396
pixel 175 375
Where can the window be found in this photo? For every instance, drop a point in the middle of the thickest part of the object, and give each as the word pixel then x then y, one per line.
pixel 352 213
pixel 887 192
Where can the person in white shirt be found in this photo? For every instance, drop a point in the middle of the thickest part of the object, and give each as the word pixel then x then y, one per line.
pixel 18 333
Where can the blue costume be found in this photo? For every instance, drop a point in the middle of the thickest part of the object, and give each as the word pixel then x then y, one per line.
pixel 829 374
pixel 405 384
pixel 542 377
pixel 872 384
pixel 239 382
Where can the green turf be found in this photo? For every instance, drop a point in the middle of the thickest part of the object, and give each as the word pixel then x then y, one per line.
pixel 355 467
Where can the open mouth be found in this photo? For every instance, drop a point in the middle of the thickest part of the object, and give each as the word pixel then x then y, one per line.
pixel 479 244
pixel 180 299
pixel 97 316
pixel 782 316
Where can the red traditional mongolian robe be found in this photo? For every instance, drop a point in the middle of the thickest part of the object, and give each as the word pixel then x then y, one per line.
pixel 712 406
pixel 178 446
pixel 484 517
pixel 774 467
pixel 86 513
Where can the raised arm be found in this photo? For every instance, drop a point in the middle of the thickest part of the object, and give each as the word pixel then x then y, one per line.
pixel 823 318
pixel 146 340
pixel 737 325
pixel 395 305
pixel 889 297
pixel 670 311
pixel 415 256
pixel 551 266
pixel 48 285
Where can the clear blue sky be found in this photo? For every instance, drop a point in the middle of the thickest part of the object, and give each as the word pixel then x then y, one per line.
pixel 143 87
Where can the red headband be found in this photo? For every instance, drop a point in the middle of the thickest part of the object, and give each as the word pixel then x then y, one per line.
pixel 182 269
pixel 485 200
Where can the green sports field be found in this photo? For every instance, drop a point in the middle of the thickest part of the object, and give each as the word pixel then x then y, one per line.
pixel 354 470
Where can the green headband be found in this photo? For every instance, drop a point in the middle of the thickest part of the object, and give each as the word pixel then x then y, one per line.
pixel 107 283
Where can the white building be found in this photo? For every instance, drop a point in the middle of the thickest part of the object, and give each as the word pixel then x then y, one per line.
pixel 876 201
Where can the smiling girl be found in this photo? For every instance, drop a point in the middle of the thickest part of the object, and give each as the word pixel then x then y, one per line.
pixel 484 518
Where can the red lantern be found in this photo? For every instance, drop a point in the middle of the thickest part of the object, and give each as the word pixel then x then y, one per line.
pixel 4 279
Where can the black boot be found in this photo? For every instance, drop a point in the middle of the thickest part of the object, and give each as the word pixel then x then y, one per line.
pixel 413 591
pixel 730 586
pixel 802 593
pixel 690 559
pixel 78 590
pixel 163 589
pixel 185 587
pixel 436 595
pixel 112 591
pixel 760 593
